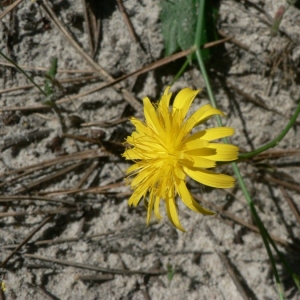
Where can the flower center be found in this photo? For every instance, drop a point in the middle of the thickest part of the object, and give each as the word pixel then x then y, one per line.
pixel 171 151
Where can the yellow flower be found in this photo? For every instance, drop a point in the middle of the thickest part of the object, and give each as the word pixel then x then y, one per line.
pixel 165 152
pixel 3 286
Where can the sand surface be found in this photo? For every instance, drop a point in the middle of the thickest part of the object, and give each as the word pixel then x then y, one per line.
pixel 91 242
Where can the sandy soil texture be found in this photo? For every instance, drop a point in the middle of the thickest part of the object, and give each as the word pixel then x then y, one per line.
pixel 66 231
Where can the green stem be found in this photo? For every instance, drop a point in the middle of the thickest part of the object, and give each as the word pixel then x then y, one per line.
pixel 23 72
pixel 236 170
pixel 181 71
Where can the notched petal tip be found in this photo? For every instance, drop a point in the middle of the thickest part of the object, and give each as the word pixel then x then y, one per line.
pixel 172 213
pixel 183 101
pixel 189 200
pixel 167 90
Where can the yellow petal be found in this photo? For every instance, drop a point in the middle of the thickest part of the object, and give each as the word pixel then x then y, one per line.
pixel 211 134
pixel 200 116
pixel 183 101
pixel 132 154
pixel 133 168
pixel 139 125
pixel 135 154
pixel 172 213
pixel 143 175
pixel 189 201
pixel 195 144
pixel 146 145
pixel 137 195
pixel 197 162
pixel 210 178
pixel 205 152
pixel 148 176
pixel 178 173
pixel 165 100
pixel 151 116
pixel 224 152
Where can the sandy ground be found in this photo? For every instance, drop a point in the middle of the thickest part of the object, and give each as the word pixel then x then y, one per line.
pixel 93 246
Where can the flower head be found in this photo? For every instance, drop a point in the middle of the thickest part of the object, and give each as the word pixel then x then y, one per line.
pixel 165 152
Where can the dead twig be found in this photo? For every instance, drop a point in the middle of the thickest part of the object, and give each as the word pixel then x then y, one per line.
pixel 26 138
pixel 59 173
pixel 104 124
pixel 61 81
pixel 293 186
pixel 10 198
pixel 51 15
pixel 87 174
pixel 29 68
pixel 94 277
pixel 291 203
pixel 256 101
pixel 92 267
pixel 275 154
pixel 246 224
pixel 10 8
pixel 93 190
pixel 101 86
pixel 94 153
pixel 25 108
pixel 88 26
pixel 236 278
pixel 38 212
pixel 127 21
pixel 29 236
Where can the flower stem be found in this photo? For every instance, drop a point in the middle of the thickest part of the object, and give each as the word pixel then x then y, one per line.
pixel 23 72
pixel 180 72
pixel 262 229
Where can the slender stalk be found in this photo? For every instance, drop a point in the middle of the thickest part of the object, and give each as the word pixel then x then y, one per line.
pixel 236 170
pixel 23 72
pixel 180 72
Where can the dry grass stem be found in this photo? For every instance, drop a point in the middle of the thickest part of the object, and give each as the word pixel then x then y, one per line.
pixel 231 270
pixel 59 173
pixel 247 225
pixel 91 267
pixel 127 21
pixel 86 175
pixel 10 8
pixel 291 203
pixel 29 236
pixel 38 212
pixel 131 100
pixel 94 277
pixel 43 69
pixel 293 186
pixel 10 198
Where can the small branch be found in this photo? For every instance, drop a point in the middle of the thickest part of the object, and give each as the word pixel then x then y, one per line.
pixel 30 235
pixel 10 8
pixel 38 212
pixel 94 277
pixel 229 268
pixel 127 21
pixel 291 203
pixel 92 267
pixel 10 198
pixel 26 138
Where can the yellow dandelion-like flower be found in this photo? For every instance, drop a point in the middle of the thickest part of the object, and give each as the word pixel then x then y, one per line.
pixel 3 286
pixel 165 152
